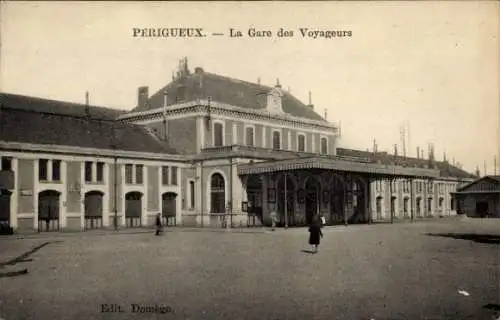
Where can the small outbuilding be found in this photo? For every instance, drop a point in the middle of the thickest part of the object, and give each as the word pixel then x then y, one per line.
pixel 480 198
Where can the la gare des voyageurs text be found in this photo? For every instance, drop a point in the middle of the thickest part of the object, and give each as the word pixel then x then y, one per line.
pixel 236 33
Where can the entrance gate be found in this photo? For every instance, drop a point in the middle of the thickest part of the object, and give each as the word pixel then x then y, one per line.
pixel 48 211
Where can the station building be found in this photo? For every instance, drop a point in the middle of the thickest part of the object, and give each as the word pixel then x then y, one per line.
pixel 204 150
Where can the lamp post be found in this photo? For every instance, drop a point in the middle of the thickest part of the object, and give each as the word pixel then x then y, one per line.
pixel 286 202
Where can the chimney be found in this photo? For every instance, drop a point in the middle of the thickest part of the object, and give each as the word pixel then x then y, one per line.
pixel 418 152
pixel 326 114
pixel 165 98
pixel 444 156
pixel 374 146
pixel 87 105
pixel 310 105
pixel 143 96
pixel 278 85
pixel 258 80
pixel 478 173
pixel 396 150
pixel 422 154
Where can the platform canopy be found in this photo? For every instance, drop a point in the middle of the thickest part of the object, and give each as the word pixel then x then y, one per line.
pixel 338 165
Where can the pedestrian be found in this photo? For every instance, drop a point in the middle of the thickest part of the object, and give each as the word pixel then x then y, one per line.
pixel 315 234
pixel 274 217
pixel 322 219
pixel 158 224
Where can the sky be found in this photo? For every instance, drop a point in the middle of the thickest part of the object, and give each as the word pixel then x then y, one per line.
pixel 433 66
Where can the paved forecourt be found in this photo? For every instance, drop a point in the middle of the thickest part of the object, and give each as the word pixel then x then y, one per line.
pixel 380 272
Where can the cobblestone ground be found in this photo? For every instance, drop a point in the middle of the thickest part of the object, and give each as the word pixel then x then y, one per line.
pixel 361 272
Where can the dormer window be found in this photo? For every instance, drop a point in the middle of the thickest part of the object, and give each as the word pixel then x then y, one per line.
pixel 274 101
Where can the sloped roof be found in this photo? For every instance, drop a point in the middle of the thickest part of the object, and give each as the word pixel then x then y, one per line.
pixel 201 85
pixel 39 121
pixel 470 186
pixel 445 168
pixel 36 104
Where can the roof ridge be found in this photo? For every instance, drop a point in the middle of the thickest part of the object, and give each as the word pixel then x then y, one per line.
pixel 235 80
pixel 68 115
pixel 58 102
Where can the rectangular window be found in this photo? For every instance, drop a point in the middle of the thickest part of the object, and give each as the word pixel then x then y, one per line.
pixel 100 172
pixel 6 164
pixel 139 173
pixel 174 176
pixel 301 143
pixel 128 173
pixel 249 137
pixel 42 169
pixel 164 175
pixel 276 140
pixel 192 195
pixel 56 170
pixel 324 146
pixel 88 171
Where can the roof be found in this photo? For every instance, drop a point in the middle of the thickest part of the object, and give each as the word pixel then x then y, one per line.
pixel 445 168
pixel 39 121
pixel 482 184
pixel 22 102
pixel 201 85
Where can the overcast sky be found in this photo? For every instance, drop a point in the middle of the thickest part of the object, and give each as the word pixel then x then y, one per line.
pixel 434 65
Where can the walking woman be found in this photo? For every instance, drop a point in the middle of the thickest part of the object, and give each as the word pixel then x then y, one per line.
pixel 315 234
pixel 158 224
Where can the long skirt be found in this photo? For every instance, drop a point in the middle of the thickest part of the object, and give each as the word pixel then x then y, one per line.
pixel 314 238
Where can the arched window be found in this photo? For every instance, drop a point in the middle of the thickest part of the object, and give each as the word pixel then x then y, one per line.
pixel 249 137
pixel 217 194
pixel 301 143
pixel 379 208
pixel 324 146
pixel 218 134
pixel 276 140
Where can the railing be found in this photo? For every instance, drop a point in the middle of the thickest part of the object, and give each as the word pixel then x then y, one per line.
pixel 259 152
pixel 133 222
pixel 48 224
pixel 168 221
pixel 93 222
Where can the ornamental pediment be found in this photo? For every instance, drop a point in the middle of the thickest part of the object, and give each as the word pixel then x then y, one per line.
pixel 275 101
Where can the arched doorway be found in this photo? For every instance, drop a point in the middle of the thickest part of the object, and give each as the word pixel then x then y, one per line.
pixel 313 189
pixel 133 209
pixel 169 208
pixel 48 210
pixel 378 206
pixel 217 194
pixel 93 209
pixel 337 197
pixel 286 193
pixel 358 202
pixel 4 209
pixel 254 197
pixel 418 204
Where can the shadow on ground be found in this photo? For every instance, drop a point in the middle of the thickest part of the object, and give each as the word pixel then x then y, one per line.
pixel 479 238
pixel 20 259
pixel 308 251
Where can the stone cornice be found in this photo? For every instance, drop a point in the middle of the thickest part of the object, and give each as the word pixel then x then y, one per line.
pixel 70 150
pixel 202 107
